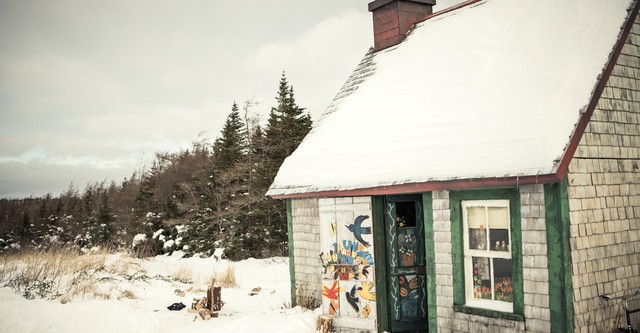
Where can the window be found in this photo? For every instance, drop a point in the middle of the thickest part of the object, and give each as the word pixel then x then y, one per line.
pixel 487 253
pixel 487 256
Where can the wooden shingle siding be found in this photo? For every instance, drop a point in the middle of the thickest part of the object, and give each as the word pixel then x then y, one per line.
pixel 444 264
pixel 534 259
pixel 306 242
pixel 535 276
pixel 604 196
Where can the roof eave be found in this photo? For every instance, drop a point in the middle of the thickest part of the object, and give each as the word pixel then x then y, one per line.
pixel 455 184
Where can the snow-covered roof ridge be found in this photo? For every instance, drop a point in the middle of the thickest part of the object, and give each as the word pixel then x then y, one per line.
pixel 490 90
pixel 365 68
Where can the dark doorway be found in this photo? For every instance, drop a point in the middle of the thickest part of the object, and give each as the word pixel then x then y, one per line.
pixel 406 264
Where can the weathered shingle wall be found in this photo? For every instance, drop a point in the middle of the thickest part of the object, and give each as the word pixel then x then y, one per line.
pixel 535 273
pixel 306 242
pixel 443 260
pixel 604 196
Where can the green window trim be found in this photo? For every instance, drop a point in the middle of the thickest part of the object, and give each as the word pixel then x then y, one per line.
pixel 292 266
pixel 488 313
pixel 556 200
pixel 457 250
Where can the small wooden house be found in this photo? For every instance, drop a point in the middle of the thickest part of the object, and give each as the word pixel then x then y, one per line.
pixel 478 172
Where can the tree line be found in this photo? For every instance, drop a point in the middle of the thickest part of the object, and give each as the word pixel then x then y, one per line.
pixel 209 196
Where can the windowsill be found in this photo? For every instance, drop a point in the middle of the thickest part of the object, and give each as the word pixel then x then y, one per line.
pixel 488 313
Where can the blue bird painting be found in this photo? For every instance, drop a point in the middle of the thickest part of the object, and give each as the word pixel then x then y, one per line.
pixel 358 230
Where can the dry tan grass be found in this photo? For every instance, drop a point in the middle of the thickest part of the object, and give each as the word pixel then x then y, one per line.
pixel 197 289
pixel 123 265
pixel 61 272
pixel 226 278
pixel 39 274
pixel 83 289
pixel 183 274
pixel 128 294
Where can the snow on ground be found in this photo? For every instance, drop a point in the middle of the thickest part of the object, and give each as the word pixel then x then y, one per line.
pixel 268 311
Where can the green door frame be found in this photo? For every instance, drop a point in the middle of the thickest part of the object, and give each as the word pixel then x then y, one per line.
pixel 380 250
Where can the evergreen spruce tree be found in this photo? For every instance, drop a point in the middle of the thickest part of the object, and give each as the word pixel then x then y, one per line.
pixel 105 229
pixel 287 126
pixel 88 202
pixel 172 210
pixel 25 228
pixel 144 199
pixel 228 149
pixel 257 143
pixel 43 211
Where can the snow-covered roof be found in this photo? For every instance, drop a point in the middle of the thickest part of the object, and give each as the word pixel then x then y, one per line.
pixel 493 89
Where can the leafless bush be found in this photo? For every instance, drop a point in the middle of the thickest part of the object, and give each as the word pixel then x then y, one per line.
pixel 183 274
pixel 147 248
pixel 127 294
pixel 306 300
pixel 39 274
pixel 227 278
pixel 63 273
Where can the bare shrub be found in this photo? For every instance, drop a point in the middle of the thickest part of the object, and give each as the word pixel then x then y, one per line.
pixel 128 294
pixel 148 248
pixel 227 278
pixel 7 270
pixel 307 301
pixel 184 275
pixel 306 298
pixel 36 274
pixel 196 289
pixel 85 289
pixel 122 266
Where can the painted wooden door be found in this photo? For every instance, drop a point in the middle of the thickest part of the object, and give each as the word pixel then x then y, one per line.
pixel 407 284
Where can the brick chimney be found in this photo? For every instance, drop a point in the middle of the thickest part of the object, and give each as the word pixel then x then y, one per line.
pixel 393 18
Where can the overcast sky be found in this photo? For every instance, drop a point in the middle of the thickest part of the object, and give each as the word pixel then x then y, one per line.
pixel 90 90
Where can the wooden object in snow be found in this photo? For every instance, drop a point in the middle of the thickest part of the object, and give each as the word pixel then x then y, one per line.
pixel 324 324
pixel 205 314
pixel 199 304
pixel 214 297
pixel 255 291
pixel 207 307
pixel 179 292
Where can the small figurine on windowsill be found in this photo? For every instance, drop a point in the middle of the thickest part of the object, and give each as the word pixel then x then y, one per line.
pixel 501 246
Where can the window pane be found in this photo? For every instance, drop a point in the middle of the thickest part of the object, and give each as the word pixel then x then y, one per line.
pixel 406 214
pixel 502 271
pixel 476 221
pixel 499 239
pixel 499 228
pixel 476 217
pixel 477 239
pixel 409 296
pixel 481 278
pixel 498 218
pixel 407 246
